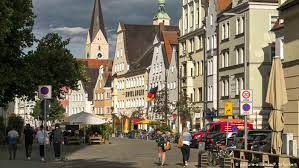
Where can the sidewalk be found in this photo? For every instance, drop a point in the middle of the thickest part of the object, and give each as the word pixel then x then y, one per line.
pixel 21 161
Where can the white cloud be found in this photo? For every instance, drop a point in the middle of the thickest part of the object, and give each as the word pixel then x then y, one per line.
pixel 70 30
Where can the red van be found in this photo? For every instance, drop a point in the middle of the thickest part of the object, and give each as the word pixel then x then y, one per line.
pixel 223 125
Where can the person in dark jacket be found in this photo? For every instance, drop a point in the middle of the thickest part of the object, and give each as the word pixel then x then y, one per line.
pixel 28 133
pixel 57 141
pixel 161 140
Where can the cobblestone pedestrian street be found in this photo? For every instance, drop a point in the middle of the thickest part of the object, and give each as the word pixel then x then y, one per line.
pixel 121 153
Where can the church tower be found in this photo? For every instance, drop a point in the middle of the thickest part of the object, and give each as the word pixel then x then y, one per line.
pixel 97 46
pixel 161 16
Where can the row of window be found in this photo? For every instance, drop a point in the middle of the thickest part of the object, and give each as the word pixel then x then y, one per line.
pixel 239 57
pixel 196 70
pixel 76 110
pixel 119 53
pixel 195 43
pixel 77 97
pixel 196 96
pixel 135 93
pixel 211 42
pixel 157 68
pixel 119 67
pixel 134 103
pixel 192 16
pixel 225 86
pixel 131 83
pixel 101 110
pixel 100 96
pixel 210 67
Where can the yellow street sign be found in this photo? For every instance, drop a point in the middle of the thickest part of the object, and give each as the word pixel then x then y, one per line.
pixel 228 108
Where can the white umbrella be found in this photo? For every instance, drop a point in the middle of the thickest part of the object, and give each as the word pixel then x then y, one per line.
pixel 85 118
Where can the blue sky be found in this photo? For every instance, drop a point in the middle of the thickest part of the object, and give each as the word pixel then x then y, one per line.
pixel 71 18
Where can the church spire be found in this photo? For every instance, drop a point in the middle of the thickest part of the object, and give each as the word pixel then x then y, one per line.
pixel 97 21
pixel 97 46
pixel 161 16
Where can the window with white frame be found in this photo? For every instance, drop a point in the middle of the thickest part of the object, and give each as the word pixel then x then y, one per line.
pixel 223 88
pixel 215 41
pixel 208 43
pixel 226 88
pixel 192 17
pixel 241 80
pixel 222 60
pixel 237 86
pixel 237 55
pixel 242 24
pixel 227 30
pixel 192 45
pixel 238 26
pixel 201 68
pixel 241 55
pixel 211 19
pixel 223 31
pixel 226 59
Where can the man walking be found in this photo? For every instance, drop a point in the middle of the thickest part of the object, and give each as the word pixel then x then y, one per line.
pixel 28 133
pixel 57 141
pixel 13 136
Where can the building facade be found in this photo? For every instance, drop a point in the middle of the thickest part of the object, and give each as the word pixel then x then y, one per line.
pixel 244 37
pixel 191 55
pixel 211 55
pixel 289 12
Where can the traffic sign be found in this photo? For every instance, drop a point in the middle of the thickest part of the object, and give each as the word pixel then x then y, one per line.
pixel 246 96
pixel 246 108
pixel 228 108
pixel 45 92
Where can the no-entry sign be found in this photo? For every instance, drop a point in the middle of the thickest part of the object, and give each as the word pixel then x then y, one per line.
pixel 246 102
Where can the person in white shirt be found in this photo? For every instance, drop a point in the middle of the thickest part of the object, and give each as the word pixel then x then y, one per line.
pixel 186 146
pixel 40 137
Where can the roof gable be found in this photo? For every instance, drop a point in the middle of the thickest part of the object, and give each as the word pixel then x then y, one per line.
pixel 138 39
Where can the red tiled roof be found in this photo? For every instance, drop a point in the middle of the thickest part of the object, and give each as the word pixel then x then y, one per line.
pixel 223 5
pixel 93 66
pixel 170 38
pixel 96 63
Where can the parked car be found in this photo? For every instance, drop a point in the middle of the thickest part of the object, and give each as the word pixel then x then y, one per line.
pixel 223 126
pixel 263 145
pixel 253 136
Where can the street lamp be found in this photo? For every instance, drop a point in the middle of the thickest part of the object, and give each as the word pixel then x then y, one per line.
pixel 245 68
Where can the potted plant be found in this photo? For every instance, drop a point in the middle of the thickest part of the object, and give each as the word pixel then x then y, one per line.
pixel 106 131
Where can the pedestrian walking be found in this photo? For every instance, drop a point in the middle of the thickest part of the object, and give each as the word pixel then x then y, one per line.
pixel 12 136
pixel 186 136
pixel 163 146
pixel 57 141
pixel 40 137
pixel 28 134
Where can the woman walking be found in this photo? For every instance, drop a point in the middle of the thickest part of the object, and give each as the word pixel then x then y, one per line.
pixel 161 141
pixel 186 146
pixel 40 136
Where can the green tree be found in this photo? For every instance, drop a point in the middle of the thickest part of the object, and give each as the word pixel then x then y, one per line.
pixel 55 111
pixel 16 23
pixel 53 64
pixel 16 122
pixel 185 107
pixel 162 104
